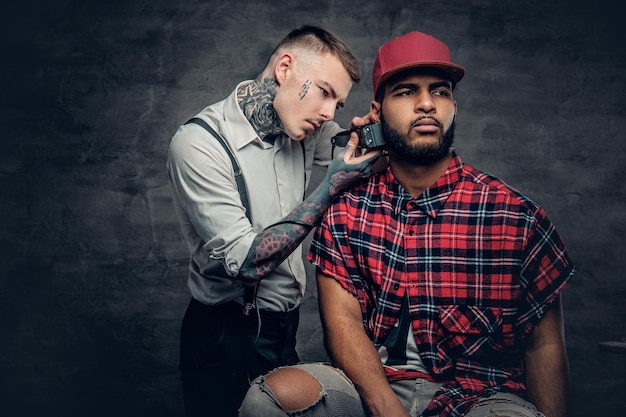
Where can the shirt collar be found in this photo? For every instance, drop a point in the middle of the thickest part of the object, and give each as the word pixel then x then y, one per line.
pixel 433 198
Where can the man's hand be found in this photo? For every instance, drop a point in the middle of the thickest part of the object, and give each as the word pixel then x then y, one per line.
pixel 349 166
pixel 362 121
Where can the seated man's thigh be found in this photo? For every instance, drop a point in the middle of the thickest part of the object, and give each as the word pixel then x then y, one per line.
pixel 504 405
pixel 415 394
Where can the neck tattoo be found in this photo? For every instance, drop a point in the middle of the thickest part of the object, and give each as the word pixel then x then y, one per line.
pixel 256 101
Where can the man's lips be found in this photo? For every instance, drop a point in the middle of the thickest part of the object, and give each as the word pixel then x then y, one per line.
pixel 426 125
pixel 314 125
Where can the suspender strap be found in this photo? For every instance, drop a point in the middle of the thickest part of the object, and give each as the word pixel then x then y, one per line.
pixel 250 291
pixel 241 185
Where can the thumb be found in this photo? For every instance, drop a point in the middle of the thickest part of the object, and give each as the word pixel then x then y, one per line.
pixel 351 147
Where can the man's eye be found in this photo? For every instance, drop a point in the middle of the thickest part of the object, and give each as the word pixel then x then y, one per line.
pixel 324 92
pixel 442 93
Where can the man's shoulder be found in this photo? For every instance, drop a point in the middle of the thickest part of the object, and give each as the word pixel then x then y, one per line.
pixel 218 112
pixel 496 186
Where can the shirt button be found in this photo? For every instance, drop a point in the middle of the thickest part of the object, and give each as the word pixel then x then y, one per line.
pixel 396 286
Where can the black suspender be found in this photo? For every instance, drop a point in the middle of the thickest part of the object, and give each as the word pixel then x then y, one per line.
pixel 250 292
pixel 241 185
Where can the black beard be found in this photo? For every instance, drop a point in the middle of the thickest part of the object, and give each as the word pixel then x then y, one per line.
pixel 401 151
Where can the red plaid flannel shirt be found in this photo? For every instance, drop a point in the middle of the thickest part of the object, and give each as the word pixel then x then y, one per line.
pixel 479 261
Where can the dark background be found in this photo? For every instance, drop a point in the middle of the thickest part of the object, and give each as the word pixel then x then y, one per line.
pixel 93 267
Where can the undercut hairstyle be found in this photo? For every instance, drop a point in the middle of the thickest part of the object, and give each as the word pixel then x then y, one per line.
pixel 319 41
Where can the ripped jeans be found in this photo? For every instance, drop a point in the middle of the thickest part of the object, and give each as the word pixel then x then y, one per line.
pixel 339 398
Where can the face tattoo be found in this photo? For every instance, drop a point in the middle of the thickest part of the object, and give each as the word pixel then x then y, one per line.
pixel 305 89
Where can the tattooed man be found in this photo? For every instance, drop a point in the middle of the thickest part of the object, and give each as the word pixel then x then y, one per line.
pixel 276 126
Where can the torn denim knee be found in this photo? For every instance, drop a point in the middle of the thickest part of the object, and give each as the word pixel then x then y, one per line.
pixel 263 406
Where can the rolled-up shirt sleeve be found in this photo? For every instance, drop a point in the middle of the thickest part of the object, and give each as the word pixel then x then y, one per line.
pixel 210 209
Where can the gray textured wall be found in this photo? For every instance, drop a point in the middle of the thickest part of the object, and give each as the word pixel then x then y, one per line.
pixel 93 267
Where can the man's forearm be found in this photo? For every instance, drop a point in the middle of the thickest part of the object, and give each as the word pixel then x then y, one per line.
pixel 352 351
pixel 274 244
pixel 547 379
pixel 547 368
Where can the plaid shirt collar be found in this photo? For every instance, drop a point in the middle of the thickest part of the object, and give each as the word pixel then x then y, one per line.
pixel 432 199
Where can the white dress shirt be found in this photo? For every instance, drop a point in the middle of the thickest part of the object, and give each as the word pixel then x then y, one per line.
pixel 209 208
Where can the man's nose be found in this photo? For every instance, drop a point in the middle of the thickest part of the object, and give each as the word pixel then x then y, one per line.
pixel 328 112
pixel 424 102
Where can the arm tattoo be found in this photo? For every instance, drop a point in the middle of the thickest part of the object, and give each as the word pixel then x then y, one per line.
pixel 270 248
pixel 340 181
pixel 277 242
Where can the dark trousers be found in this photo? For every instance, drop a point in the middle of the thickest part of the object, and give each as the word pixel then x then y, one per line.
pixel 220 354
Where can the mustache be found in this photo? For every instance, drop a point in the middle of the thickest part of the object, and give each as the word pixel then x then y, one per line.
pixel 420 118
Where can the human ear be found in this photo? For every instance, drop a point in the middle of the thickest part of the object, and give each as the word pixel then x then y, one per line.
pixel 374 113
pixel 284 64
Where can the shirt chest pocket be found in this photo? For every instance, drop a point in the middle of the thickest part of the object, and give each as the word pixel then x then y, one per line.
pixel 469 330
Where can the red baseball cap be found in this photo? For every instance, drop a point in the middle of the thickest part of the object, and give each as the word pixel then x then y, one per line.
pixel 414 49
